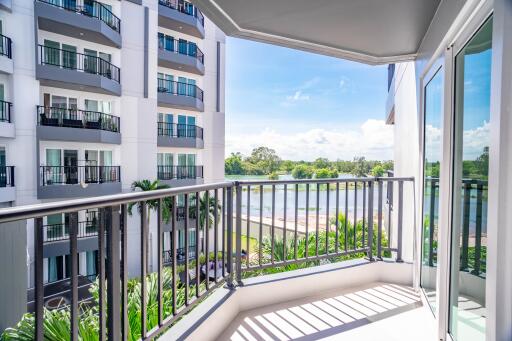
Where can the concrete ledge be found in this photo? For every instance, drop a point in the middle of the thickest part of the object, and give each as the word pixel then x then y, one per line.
pixel 180 142
pixel 76 191
pixel 51 133
pixel 58 20
pixel 6 65
pixel 168 100
pixel 212 316
pixel 54 76
pixel 180 22
pixel 178 61
pixel 7 194
pixel 61 247
pixel 7 129
pixel 182 182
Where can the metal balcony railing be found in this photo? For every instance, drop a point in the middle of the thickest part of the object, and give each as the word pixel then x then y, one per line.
pixel 91 9
pixel 76 118
pixel 180 130
pixel 180 46
pixel 244 228
pixel 72 175
pixel 7 176
pixel 179 172
pixel 184 7
pixel 180 89
pixel 58 232
pixel 5 111
pixel 78 61
pixel 5 46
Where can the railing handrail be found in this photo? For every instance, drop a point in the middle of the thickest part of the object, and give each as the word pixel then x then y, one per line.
pixel 199 55
pixel 174 88
pixel 174 4
pixel 5 111
pixel 81 9
pixel 41 110
pixel 6 50
pixel 115 75
pixel 173 129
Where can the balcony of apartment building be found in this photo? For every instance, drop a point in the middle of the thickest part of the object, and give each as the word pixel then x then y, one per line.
pixel 181 16
pixel 7 184
pixel 6 64
pixel 180 175
pixel 178 95
pixel 179 135
pixel 180 55
pixel 60 124
pixel 6 120
pixel 77 71
pixel 56 182
pixel 83 19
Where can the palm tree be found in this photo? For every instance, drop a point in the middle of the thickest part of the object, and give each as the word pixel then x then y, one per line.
pixel 152 205
pixel 206 211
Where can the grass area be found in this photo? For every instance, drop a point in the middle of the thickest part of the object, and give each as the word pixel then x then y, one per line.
pixel 253 243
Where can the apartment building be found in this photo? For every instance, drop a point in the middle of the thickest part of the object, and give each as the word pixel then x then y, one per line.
pixel 95 95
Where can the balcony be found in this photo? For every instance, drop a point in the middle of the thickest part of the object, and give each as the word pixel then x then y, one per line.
pixel 6 64
pixel 58 124
pixel 7 184
pixel 180 135
pixel 56 241
pixel 179 95
pixel 91 21
pixel 180 175
pixel 6 124
pixel 181 16
pixel 181 55
pixel 307 271
pixel 77 71
pixel 78 181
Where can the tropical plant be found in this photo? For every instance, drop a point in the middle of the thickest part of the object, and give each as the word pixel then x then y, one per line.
pixel 206 209
pixel 377 170
pixel 152 205
pixel 326 173
pixel 273 176
pixel 302 172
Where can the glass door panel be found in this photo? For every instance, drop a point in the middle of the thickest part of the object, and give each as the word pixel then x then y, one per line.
pixel 432 153
pixel 470 176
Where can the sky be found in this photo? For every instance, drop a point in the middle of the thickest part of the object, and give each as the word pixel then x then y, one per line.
pixel 304 105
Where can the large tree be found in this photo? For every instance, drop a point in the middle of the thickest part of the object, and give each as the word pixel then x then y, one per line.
pixel 264 158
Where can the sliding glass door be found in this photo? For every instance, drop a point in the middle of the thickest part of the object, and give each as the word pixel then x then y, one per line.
pixel 469 197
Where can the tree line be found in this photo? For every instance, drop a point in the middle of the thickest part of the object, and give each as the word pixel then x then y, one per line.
pixel 265 161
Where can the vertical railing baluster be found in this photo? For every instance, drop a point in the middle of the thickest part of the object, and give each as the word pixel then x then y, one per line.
pixel 272 227
pixel 186 274
pixel 379 222
pixel 124 271
pixel 224 233
pixel 73 255
pixel 285 251
pixel 400 220
pixel 337 212
pixel 346 217
pixel 143 267
pixel 238 233
pixel 113 271
pixel 307 221
pixel 431 222
pixel 101 279
pixel 199 242
pixel 465 226
pixel 38 278
pixel 260 244
pixel 216 233
pixel 206 233
pixel 159 240
pixel 363 232
pixel 478 227
pixel 390 199
pixel 229 227
pixel 327 227
pixel 248 234
pixel 174 256
pixel 317 219
pixel 370 220
pixel 355 215
pixel 296 221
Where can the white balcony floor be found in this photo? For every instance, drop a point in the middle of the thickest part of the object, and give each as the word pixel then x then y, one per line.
pixel 377 311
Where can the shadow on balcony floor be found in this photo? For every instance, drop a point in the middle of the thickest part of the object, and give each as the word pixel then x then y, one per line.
pixel 374 312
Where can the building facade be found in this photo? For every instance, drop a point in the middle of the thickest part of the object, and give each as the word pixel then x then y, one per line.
pixel 97 95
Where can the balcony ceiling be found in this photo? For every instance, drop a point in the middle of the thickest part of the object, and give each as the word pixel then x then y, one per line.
pixel 369 31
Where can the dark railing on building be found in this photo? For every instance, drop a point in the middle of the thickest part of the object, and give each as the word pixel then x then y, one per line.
pixel 78 61
pixel 179 88
pixel 180 255
pixel 472 252
pixel 184 7
pixel 5 46
pixel 7 176
pixel 89 8
pixel 180 46
pixel 180 130
pixel 72 175
pixel 5 111
pixel 179 172
pixel 76 118
pixel 328 235
pixel 57 232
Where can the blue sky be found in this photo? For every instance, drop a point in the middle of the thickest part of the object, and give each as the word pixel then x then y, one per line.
pixel 304 105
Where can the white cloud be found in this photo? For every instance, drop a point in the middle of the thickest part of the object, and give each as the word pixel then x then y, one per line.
pixel 475 140
pixel 373 139
pixel 298 96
